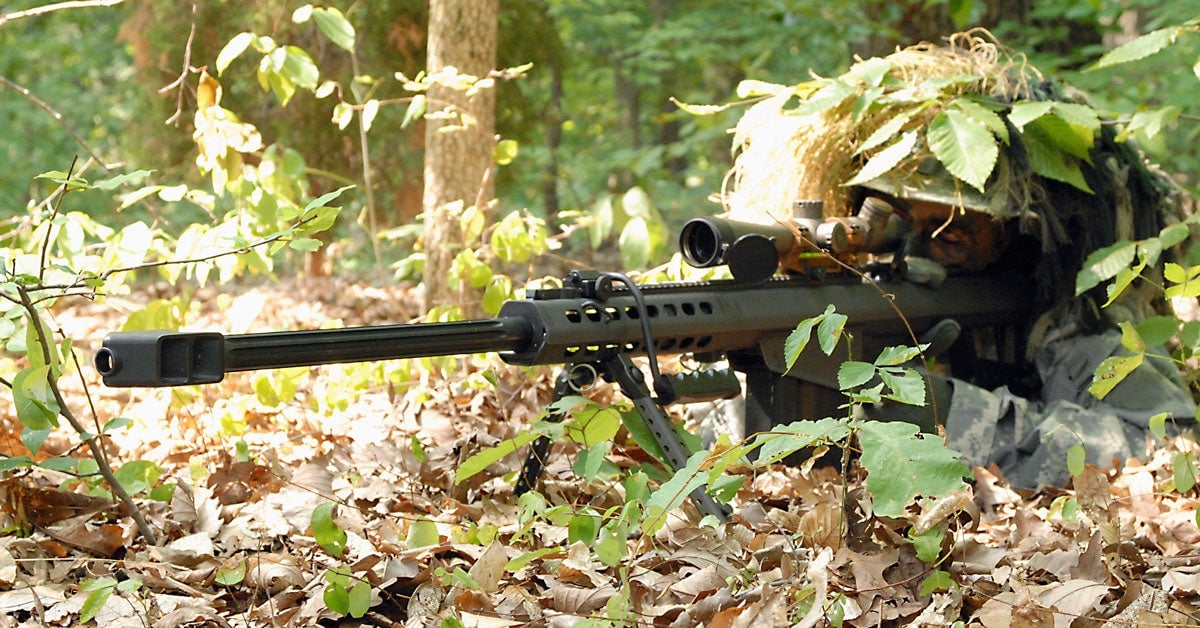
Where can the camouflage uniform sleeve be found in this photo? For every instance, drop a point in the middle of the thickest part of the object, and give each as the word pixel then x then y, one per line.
pixel 1028 439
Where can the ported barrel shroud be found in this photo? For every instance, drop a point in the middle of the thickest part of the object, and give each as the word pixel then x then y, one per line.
pixel 555 327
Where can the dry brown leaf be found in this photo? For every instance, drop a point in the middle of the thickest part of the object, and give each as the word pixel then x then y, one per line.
pixel 822 526
pixel 426 601
pixel 8 565
pixel 1093 490
pixel 1072 599
pixel 574 600
pixel 29 505
pixel 700 583
pixel 488 569
pixel 771 611
pixel 99 540
pixel 190 616
pixel 273 572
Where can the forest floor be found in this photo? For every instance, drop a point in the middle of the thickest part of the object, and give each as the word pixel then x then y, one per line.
pixel 252 458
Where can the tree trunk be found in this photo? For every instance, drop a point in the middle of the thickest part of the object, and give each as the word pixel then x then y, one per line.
pixel 462 34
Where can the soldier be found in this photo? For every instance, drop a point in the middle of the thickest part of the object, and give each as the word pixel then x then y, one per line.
pixel 1029 216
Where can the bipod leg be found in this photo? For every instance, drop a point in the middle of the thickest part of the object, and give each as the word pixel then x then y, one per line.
pixel 571 379
pixel 621 370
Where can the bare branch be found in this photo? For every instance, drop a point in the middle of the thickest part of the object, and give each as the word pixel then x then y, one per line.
pixel 60 6
pixel 57 117
pixel 181 82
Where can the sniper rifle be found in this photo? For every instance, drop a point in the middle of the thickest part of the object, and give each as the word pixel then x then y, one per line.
pixel 597 322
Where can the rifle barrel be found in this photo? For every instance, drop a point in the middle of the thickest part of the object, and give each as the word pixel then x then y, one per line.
pixel 362 344
pixel 161 358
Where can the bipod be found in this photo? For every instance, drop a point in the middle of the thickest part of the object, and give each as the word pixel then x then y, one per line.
pixel 620 370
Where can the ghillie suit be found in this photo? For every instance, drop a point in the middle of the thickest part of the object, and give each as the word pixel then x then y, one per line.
pixel 966 125
pixel 970 127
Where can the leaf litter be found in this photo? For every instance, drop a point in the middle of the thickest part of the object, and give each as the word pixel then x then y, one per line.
pixel 804 547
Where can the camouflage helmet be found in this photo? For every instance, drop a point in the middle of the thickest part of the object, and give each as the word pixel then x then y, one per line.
pixel 931 182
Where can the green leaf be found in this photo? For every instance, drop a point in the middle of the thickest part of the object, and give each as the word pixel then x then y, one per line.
pixel 798 339
pixel 902 464
pixel 1076 457
pixel 830 330
pixel 34 399
pixel 299 68
pixel 328 534
pixel 422 533
pixel 592 425
pixel 882 162
pixel 358 601
pixel 369 111
pixel 784 440
pixel 336 598
pixel 964 145
pixel 583 527
pixel 852 374
pixel 1158 329
pixel 499 290
pixel 1048 159
pixel 725 487
pixel 937 581
pixel 230 575
pixel 100 590
pixel 414 112
pixel 611 547
pixel 335 26
pixel 1140 48
pixel 885 132
pixel 1184 469
pixel 486 458
pixel 895 356
pixel 830 95
pixel 1074 138
pixel 1184 281
pixel 121 179
pixel 521 561
pixel 304 244
pixel 233 50
pixel 928 544
pixel 1173 234
pixel 1158 425
pixel 323 200
pixel 1130 339
pixel 907 385
pixel 1113 371
pixel 1104 264
pixel 670 494
pixel 591 460
pixel 343 113
pixel 634 243
pixel 8 463
pixel 1024 112
pixel 33 439
pixel 984 116
pixel 1083 121
pixel 505 152
pixel 137 476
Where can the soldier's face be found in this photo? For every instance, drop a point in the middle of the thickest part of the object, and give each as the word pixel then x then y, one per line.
pixel 960 240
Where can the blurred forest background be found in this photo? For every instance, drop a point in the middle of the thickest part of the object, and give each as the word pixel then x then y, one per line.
pixel 593 117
